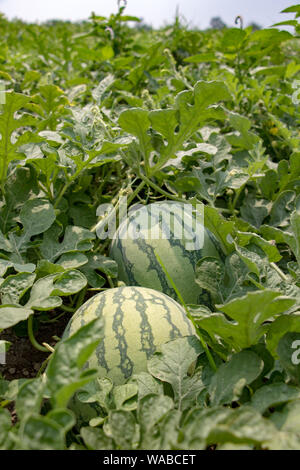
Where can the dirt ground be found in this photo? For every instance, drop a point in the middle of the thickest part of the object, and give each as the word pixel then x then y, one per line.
pixel 22 359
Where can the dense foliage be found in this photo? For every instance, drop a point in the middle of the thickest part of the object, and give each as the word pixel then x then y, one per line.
pixel 97 110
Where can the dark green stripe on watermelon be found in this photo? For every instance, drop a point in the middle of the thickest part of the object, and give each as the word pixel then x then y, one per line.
pixel 126 364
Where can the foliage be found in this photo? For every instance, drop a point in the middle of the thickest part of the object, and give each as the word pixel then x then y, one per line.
pixel 98 110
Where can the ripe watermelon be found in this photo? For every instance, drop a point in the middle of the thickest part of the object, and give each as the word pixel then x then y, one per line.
pixel 133 248
pixel 137 321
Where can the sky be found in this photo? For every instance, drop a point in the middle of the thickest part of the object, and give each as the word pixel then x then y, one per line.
pixel 155 12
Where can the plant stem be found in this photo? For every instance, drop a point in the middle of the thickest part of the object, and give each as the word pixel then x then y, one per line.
pixel 279 272
pixel 129 200
pixel 31 336
pixel 236 198
pixel 80 298
pixel 160 190
pixel 110 282
pixel 53 320
pixel 43 365
pixel 173 197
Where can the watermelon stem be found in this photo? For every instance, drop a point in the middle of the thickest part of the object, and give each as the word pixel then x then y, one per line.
pixel 190 317
pixel 32 339
pixel 80 298
pixel 160 190
pixel 181 199
pixel 117 206
pixel 110 282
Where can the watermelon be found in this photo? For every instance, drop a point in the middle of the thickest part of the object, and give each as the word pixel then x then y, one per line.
pixel 165 228
pixel 137 321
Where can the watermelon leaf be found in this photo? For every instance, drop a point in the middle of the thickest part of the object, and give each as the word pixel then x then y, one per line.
pixel 173 364
pixel 228 382
pixel 122 426
pixel 41 433
pixel 288 352
pixel 14 102
pixel 95 439
pixel 274 395
pixel 248 315
pixel 64 375
pixel 75 239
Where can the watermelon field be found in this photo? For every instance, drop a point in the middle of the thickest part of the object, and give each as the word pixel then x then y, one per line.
pixel 118 342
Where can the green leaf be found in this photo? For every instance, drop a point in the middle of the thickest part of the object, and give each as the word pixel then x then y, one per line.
pixel 295 225
pixel 204 96
pixel 9 389
pixel 243 425
pixel 273 395
pixel 165 122
pixel 169 430
pixel 198 423
pixel 230 379
pixel 251 311
pixel 44 268
pixel 282 325
pixel 68 283
pixel 125 397
pixel 173 364
pixel 146 384
pixel 152 409
pixel 293 9
pixel 29 398
pixel 288 351
pixel 199 58
pixel 244 139
pixel 95 439
pixel 41 297
pixel 288 419
pixel 64 418
pixel 15 286
pixel 97 391
pixel 280 212
pixel 75 239
pixel 103 86
pixel 36 216
pixel 209 275
pixel 233 39
pixel 254 210
pixel 71 260
pixel 219 226
pixel 135 121
pixel 272 233
pixel 20 185
pixel 41 433
pixel 64 374
pixel 251 259
pixel 245 238
pixel 10 316
pixel 204 427
pixel 122 427
pixel 8 124
pixel 98 263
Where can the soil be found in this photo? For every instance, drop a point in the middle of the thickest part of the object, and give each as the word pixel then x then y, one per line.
pixel 22 359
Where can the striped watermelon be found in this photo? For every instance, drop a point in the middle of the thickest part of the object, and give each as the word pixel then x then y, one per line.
pixel 137 321
pixel 135 254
